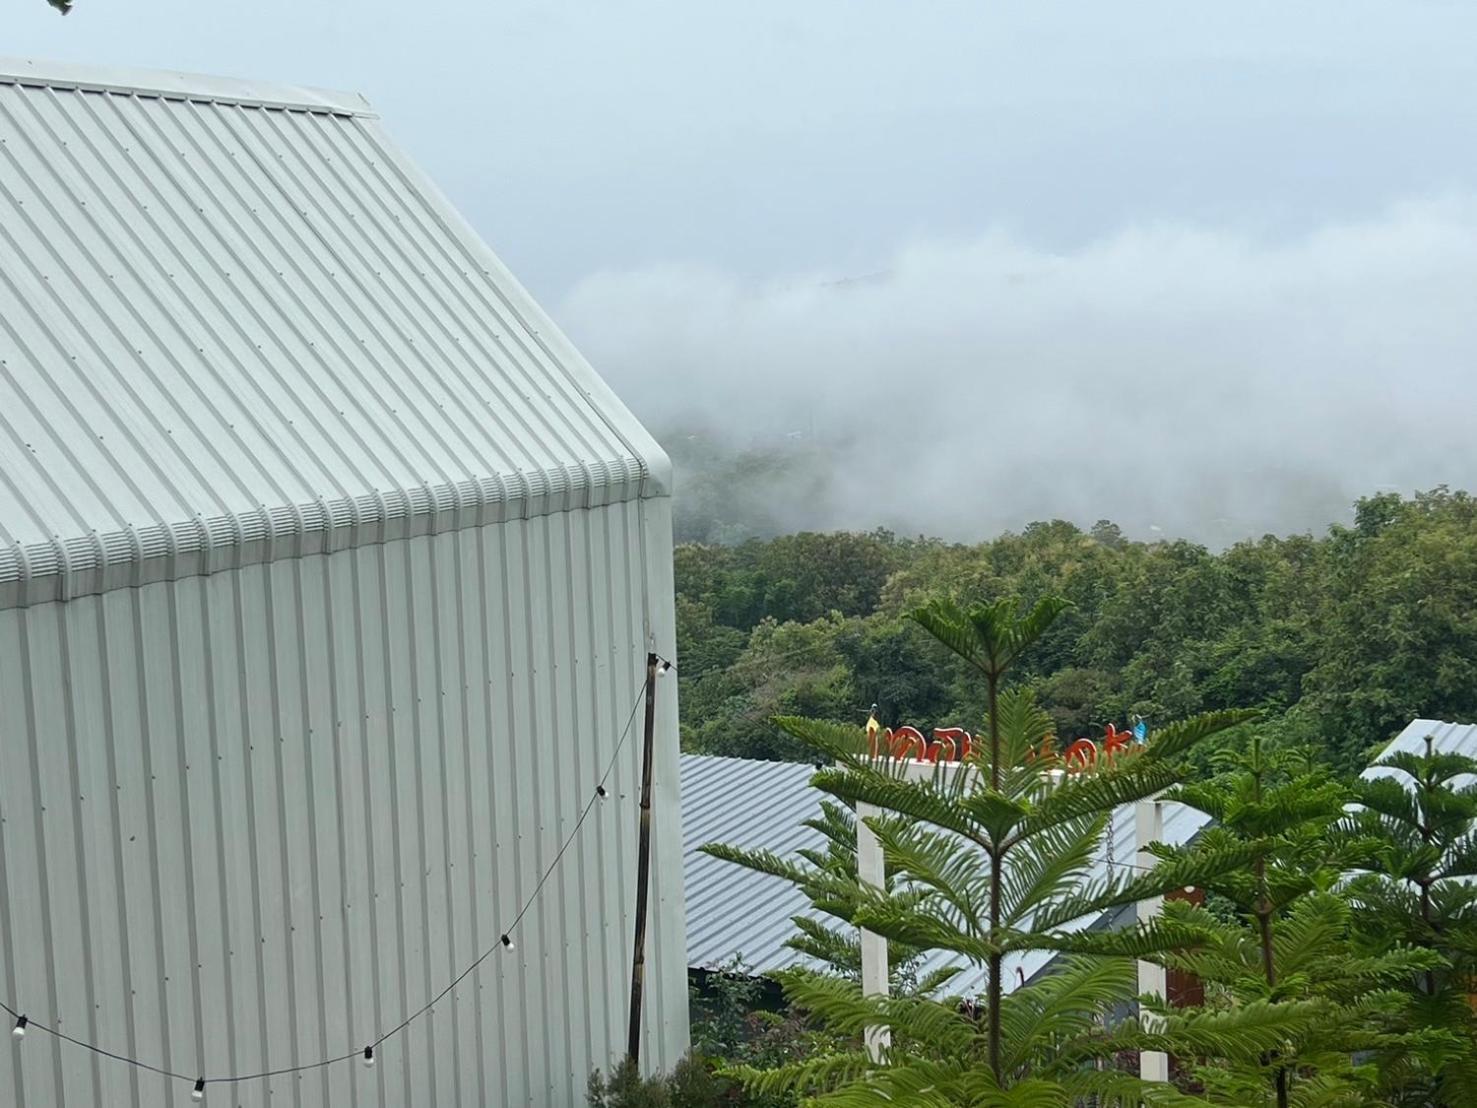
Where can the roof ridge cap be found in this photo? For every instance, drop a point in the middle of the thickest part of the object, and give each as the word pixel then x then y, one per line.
pixel 172 85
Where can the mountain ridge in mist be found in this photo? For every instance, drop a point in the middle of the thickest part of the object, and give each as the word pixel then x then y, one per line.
pixel 1206 382
pixel 728 492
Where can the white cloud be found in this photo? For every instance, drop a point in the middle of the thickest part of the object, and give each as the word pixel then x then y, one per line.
pixel 1201 380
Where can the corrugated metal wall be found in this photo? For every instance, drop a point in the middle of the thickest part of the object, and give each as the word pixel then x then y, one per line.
pixel 252 819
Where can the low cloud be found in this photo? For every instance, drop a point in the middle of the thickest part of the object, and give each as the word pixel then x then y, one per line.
pixel 1204 382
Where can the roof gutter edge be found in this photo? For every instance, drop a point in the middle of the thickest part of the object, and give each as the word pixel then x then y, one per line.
pixel 59 570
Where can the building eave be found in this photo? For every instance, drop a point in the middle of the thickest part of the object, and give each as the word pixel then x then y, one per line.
pixel 68 567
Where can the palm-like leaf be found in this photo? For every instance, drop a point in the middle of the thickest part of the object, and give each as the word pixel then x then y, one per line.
pixel 992 857
pixel 924 801
pixel 1415 914
pixel 1059 860
pixel 988 636
pixel 1187 869
pixel 1065 1004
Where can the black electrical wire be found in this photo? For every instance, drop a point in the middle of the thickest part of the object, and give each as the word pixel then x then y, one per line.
pixel 504 940
pixel 527 904
pixel 32 1025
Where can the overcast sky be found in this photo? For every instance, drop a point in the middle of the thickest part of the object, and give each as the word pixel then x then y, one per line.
pixel 1143 215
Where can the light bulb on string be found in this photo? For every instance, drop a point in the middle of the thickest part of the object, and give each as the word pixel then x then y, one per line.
pixel 367 1056
pixel 664 669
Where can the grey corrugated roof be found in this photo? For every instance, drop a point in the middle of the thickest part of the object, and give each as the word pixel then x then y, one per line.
pixel 1447 738
pixel 236 316
pixel 734 912
pixel 731 911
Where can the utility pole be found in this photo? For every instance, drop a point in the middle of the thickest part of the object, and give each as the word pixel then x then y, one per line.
pixel 643 865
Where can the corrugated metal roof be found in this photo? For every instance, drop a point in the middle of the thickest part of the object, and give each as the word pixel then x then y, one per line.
pixel 235 316
pixel 733 912
pixel 1446 738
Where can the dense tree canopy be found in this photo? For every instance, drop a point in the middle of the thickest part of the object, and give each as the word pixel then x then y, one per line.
pixel 1327 923
pixel 1340 639
pixel 990 864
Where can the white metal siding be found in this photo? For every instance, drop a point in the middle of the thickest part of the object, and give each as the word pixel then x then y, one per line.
pixel 251 819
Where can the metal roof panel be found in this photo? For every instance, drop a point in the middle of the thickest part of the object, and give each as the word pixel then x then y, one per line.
pixel 178 86
pixel 1446 738
pixel 228 308
pixel 735 913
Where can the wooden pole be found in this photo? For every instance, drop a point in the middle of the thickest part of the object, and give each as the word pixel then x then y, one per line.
pixel 643 866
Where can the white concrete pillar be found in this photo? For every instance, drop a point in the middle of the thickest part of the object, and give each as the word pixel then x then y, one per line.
pixel 1149 827
pixel 870 870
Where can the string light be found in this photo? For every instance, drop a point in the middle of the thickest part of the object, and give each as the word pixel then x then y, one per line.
pixel 505 940
pixel 1129 865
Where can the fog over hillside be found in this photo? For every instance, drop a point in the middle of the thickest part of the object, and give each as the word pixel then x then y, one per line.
pixel 1212 383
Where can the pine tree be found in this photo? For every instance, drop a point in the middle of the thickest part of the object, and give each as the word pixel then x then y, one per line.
pixel 828 877
pixel 1283 937
pixel 993 860
pixel 1416 817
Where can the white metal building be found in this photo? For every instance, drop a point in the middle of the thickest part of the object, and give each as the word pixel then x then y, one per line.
pixel 328 570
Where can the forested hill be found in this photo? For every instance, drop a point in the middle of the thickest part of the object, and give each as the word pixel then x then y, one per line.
pixel 1343 638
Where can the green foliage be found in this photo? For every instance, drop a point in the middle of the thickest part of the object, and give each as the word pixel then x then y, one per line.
pixel 989 861
pixel 690 1085
pixel 1340 640
pixel 786 668
pixel 1338 943
pixel 829 878
pixel 1334 1003
pixel 731 1027
pixel 1416 891
pixel 1284 938
pixel 1399 638
pixel 735 1027
pixel 1282 806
